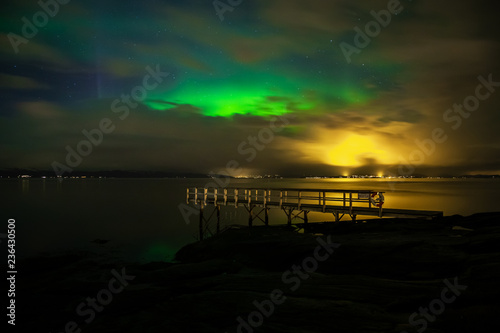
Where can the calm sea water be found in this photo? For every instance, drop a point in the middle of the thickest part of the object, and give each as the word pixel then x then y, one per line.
pixel 141 220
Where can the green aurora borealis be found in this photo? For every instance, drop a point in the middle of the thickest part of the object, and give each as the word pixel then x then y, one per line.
pixel 255 95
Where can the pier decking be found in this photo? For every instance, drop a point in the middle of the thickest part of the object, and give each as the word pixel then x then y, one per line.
pixel 257 201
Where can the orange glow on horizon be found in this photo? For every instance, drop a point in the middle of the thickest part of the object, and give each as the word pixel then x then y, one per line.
pixel 355 151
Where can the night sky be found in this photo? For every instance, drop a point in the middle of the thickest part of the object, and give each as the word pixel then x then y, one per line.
pixel 287 87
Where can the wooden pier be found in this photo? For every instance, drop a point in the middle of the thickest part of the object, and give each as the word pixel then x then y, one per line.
pixel 296 203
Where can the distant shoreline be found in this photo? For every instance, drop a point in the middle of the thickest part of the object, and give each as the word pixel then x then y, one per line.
pixel 36 174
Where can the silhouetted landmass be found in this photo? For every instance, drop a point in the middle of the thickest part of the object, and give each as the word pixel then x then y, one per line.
pixel 382 273
pixel 37 173
pixel 481 176
pixel 102 173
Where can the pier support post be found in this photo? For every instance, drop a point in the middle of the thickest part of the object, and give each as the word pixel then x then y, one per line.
pixel 218 219
pixel 306 220
pixel 250 216
pixel 288 213
pixel 200 224
pixel 266 216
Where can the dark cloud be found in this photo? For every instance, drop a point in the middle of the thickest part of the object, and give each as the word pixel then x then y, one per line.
pixel 406 116
pixel 267 58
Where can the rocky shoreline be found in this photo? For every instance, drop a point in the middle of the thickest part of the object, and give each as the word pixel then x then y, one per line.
pixel 388 275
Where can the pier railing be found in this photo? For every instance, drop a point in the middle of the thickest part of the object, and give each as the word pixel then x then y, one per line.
pixel 295 202
pixel 320 199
